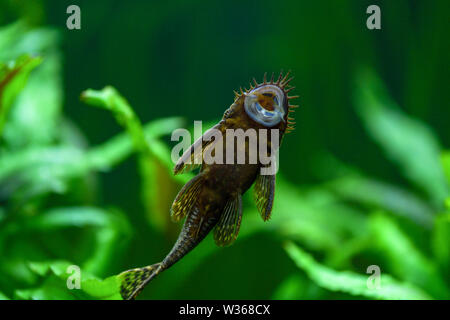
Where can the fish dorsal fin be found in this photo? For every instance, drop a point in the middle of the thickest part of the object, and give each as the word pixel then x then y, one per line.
pixel 192 157
pixel 264 193
pixel 186 198
pixel 227 229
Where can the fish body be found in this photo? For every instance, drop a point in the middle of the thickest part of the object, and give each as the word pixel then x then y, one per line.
pixel 212 200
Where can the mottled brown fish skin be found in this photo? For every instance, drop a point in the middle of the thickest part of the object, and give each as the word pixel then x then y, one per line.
pixel 221 181
pixel 218 185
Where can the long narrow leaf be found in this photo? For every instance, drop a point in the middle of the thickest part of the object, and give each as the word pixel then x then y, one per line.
pixel 406 141
pixel 351 282
pixel 404 259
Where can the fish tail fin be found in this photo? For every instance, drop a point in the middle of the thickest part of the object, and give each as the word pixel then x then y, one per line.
pixel 134 280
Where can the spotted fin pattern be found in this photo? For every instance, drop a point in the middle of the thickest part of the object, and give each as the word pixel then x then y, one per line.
pixel 264 193
pixel 133 281
pixel 186 198
pixel 227 229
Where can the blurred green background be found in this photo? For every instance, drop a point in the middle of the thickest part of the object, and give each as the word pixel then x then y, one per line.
pixel 364 179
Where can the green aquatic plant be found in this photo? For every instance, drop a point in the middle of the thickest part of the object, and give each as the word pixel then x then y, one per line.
pixel 54 214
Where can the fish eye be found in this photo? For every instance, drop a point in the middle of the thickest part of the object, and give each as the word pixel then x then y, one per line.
pixel 257 108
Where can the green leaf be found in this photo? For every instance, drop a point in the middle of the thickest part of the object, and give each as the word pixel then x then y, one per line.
pixel 17 39
pixel 349 184
pixel 406 141
pixel 53 284
pixel 404 260
pixel 380 195
pixel 40 170
pixel 35 116
pixel 72 161
pixel 351 282
pixel 441 240
pixel 152 155
pixel 54 276
pixel 445 159
pixel 316 219
pixel 52 288
pixel 111 230
pixel 108 289
pixel 57 267
pixel 110 99
pixel 12 80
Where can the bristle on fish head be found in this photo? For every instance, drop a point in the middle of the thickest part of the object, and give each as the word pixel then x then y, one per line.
pixel 268 102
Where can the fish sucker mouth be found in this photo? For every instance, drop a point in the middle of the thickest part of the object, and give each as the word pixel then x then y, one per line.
pixel 268 102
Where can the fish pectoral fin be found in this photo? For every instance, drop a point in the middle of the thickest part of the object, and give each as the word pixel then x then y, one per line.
pixel 134 280
pixel 186 198
pixel 227 229
pixel 264 193
pixel 192 157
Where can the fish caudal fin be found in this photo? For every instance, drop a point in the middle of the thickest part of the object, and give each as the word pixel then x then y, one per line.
pixel 134 280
